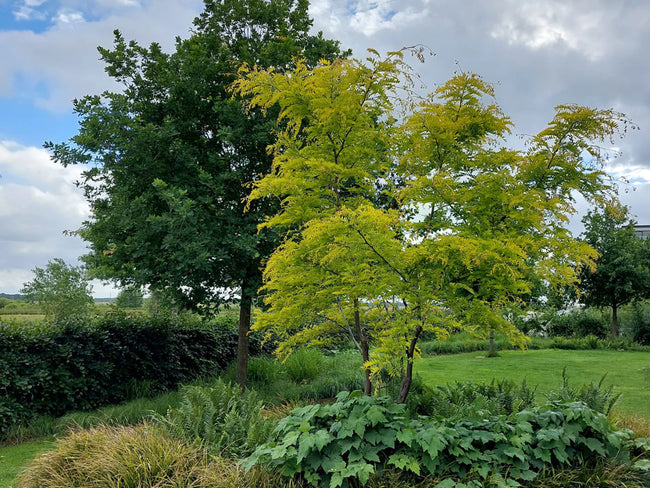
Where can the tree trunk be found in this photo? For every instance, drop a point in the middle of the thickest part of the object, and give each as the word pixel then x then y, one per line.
pixel 491 352
pixel 614 331
pixel 245 306
pixel 154 301
pixel 365 348
pixel 407 379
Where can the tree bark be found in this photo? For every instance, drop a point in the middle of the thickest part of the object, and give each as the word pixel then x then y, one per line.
pixel 154 301
pixel 407 379
pixel 245 306
pixel 365 348
pixel 491 352
pixel 614 330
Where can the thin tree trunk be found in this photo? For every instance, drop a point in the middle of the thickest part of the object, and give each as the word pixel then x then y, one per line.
pixel 491 352
pixel 407 378
pixel 154 301
pixel 365 348
pixel 614 330
pixel 245 306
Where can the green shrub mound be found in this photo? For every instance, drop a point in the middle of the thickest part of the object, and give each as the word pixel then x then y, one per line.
pixel 463 342
pixel 350 440
pixel 52 369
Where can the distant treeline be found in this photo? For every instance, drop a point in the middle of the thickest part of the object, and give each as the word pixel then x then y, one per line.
pixel 16 296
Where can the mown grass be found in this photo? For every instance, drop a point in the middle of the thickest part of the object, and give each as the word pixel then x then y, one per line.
pixel 628 372
pixel 14 458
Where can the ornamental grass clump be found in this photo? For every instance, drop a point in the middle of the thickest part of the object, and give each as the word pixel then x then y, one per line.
pixel 106 457
pixel 138 457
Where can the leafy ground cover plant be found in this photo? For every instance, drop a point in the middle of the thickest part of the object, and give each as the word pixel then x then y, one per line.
pixel 219 418
pixel 466 399
pixel 346 442
pixel 595 395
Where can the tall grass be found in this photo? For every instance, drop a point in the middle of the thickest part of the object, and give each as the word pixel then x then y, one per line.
pixel 130 413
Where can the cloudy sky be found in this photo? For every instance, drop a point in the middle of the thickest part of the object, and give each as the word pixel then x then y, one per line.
pixel 537 53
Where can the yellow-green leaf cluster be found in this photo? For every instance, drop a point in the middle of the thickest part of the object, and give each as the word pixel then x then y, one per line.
pixel 399 224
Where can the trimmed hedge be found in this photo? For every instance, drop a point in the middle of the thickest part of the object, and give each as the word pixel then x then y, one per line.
pixel 54 369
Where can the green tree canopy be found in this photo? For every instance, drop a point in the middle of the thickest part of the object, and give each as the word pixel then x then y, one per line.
pixel 130 297
pixel 622 271
pixel 171 156
pixel 401 222
pixel 61 290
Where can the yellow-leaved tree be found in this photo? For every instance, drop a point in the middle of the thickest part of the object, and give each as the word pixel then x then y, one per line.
pixel 406 215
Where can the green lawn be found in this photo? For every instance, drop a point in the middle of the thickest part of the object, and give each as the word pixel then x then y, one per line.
pixel 629 372
pixel 14 458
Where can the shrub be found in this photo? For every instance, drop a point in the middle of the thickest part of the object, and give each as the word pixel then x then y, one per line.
pixel 219 418
pixel 578 323
pixel 51 369
pixel 640 323
pixel 333 445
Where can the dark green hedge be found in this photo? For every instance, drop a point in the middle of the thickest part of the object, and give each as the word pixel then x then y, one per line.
pixel 54 369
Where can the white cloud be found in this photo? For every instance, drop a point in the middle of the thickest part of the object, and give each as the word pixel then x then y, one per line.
pixel 633 173
pixel 370 17
pixel 28 10
pixel 38 201
pixel 367 17
pixel 62 63
pixel 577 25
pixel 28 13
pixel 67 17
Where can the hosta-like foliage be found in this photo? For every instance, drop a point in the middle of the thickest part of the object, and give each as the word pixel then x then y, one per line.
pixel 344 443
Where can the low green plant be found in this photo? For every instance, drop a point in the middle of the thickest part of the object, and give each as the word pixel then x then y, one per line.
pixel 345 443
pixel 262 370
pixel 218 418
pixel 304 364
pixel 594 394
pixel 472 400
pixel 14 458
pixel 463 342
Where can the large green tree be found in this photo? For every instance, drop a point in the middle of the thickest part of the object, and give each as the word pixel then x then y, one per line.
pixel 622 271
pixel 170 157
pixel 405 221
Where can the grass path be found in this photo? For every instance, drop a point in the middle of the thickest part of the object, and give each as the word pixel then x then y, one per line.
pixel 14 458
pixel 628 372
